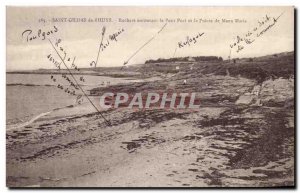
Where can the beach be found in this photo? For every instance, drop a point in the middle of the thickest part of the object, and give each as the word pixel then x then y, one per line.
pixel 236 138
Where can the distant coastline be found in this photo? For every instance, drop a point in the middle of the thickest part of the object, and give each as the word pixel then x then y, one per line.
pixel 87 72
pixel 142 70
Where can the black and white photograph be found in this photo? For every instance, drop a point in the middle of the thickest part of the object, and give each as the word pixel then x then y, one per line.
pixel 150 97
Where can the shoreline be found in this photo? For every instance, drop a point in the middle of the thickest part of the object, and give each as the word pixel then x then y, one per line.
pixel 142 139
pixel 243 135
pixel 25 118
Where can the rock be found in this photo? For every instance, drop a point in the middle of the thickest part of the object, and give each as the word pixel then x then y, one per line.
pixel 145 125
pixel 245 100
pixel 278 92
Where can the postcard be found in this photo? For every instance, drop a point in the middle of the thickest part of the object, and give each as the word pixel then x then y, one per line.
pixel 150 97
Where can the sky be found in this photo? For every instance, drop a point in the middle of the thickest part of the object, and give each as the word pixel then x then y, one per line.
pixel 82 39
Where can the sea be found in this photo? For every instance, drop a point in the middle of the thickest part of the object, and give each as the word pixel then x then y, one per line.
pixel 32 95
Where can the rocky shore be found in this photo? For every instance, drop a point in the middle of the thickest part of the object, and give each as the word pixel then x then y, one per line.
pixel 242 135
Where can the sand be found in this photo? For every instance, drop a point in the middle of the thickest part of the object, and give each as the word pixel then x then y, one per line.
pixel 224 143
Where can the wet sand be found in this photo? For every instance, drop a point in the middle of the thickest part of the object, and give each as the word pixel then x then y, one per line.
pixel 224 143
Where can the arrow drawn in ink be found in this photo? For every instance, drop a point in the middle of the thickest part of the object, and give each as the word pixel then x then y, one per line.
pixel 108 123
pixel 102 34
pixel 146 43
pixel 174 52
